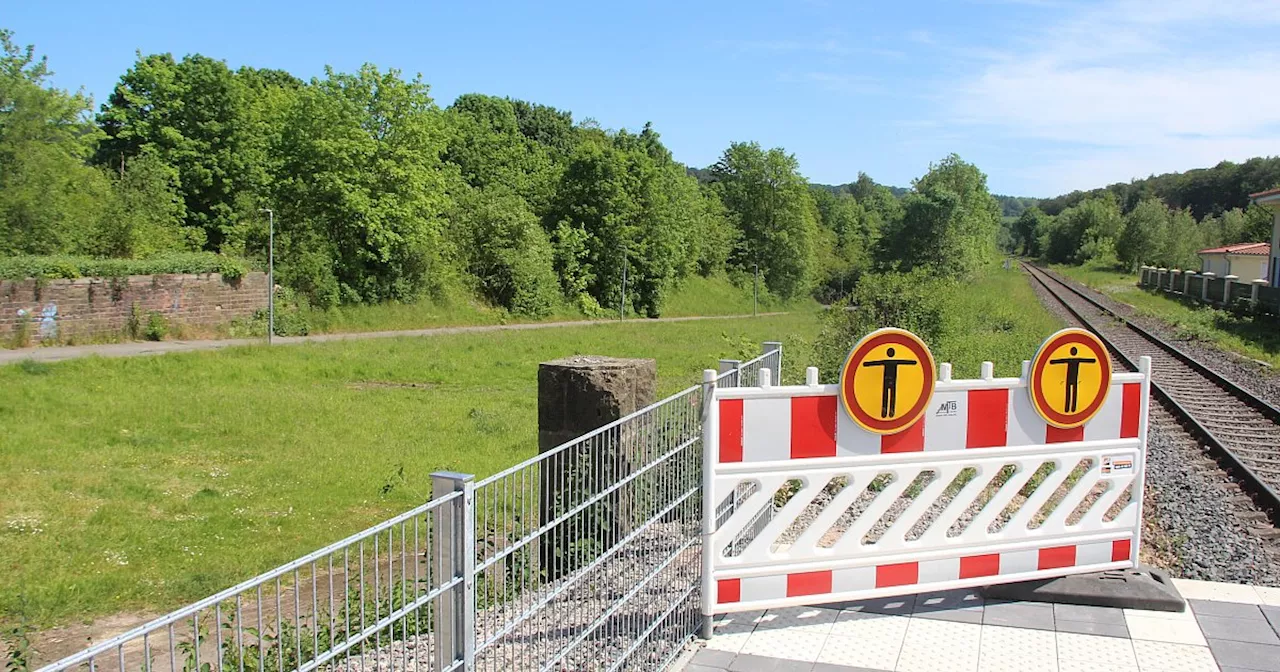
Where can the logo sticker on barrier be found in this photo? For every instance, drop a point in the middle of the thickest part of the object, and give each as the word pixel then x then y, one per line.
pixel 887 381
pixel 1070 378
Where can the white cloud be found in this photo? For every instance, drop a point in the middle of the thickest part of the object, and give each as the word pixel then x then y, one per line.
pixel 1133 88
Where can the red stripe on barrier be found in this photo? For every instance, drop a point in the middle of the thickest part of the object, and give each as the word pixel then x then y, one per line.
pixel 728 590
pixel 731 430
pixel 1057 556
pixel 980 565
pixel 809 583
pixel 1059 435
pixel 1120 550
pixel 909 440
pixel 988 423
pixel 1131 410
pixel 900 574
pixel 813 427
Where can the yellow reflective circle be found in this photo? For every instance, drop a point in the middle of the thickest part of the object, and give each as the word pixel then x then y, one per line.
pixel 1070 378
pixel 887 380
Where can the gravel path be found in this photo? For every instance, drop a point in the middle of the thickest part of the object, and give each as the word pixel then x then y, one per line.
pixel 1195 529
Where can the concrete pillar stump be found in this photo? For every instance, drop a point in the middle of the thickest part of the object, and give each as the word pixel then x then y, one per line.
pixel 1204 287
pixel 1226 289
pixel 575 396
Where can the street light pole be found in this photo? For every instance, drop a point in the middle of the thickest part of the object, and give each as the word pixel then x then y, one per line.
pixel 622 305
pixel 755 292
pixel 271 274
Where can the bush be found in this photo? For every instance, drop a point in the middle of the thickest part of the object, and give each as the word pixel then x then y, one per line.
pixel 911 301
pixel 68 267
pixel 157 326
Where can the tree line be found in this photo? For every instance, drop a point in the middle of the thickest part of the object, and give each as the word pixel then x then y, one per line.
pixel 1162 220
pixel 380 194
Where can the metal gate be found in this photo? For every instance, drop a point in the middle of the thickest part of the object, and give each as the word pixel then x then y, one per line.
pixel 980 490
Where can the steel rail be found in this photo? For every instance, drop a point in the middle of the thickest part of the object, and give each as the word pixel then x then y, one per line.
pixel 1266 496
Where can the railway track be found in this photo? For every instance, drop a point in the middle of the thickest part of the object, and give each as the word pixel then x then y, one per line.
pixel 1240 430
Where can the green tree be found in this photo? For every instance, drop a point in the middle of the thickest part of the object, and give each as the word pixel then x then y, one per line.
pixel 769 201
pixel 50 201
pixel 1145 229
pixel 490 151
pixel 502 244
pixel 1026 230
pixel 949 222
pixel 144 214
pixel 362 189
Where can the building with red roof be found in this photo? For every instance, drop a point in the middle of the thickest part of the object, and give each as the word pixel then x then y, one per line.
pixel 1271 199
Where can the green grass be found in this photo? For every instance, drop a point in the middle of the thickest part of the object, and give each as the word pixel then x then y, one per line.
pixel 996 318
pixel 148 482
pixel 1253 337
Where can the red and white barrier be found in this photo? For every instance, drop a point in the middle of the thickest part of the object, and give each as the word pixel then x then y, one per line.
pixel 824 543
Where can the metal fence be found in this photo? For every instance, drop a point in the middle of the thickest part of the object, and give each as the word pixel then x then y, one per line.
pixel 368 600
pixel 586 557
pixel 736 373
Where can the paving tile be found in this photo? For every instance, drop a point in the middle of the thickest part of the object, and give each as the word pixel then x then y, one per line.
pixel 961 606
pixel 863 650
pixel 893 606
pixel 1239 629
pixel 734 623
pixel 1093 666
pixel 731 642
pixel 1093 649
pixel 1167 657
pixel 1212 590
pixel 692 667
pixel 1004 649
pixel 1093 628
pixel 1164 630
pixel 940 645
pixel 1184 615
pixel 803 618
pixel 713 658
pixel 792 644
pixel 1030 615
pixel 1272 614
pixel 1268 595
pixel 1234 669
pixel 828 667
pixel 1080 612
pixel 750 663
pixel 1246 655
pixel 792 666
pixel 1224 609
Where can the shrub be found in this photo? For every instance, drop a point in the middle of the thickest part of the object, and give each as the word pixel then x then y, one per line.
pixel 54 267
pixel 157 326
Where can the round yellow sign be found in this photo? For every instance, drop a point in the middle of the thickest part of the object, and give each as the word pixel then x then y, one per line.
pixel 887 380
pixel 1070 378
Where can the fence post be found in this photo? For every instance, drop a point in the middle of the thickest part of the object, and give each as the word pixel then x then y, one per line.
pixel 454 557
pixel 727 365
pixel 1253 291
pixel 773 363
pixel 708 503
pixel 1160 278
pixel 1204 286
pixel 1226 289
pixel 1186 281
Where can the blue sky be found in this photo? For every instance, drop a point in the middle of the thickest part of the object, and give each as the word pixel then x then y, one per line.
pixel 1044 96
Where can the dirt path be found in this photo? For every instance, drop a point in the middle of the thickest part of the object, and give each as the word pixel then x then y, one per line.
pixel 138 348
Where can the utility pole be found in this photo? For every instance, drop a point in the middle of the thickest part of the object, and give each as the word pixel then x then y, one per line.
pixel 622 305
pixel 755 292
pixel 271 274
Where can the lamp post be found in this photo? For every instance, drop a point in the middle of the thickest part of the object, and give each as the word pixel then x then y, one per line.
pixel 622 305
pixel 755 292
pixel 271 273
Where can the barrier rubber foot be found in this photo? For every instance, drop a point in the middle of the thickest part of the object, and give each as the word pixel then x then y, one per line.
pixel 1142 588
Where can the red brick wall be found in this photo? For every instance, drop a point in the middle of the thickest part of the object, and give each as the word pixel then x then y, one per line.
pixel 94 306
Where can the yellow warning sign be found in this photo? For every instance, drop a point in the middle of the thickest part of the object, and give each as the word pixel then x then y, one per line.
pixel 887 381
pixel 1070 378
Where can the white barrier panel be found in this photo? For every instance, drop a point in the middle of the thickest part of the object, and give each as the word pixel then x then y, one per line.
pixel 980 490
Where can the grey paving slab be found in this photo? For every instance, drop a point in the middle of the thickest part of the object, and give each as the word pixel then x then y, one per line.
pixel 1235 669
pixel 1225 609
pixel 1028 615
pixel 1257 630
pixel 713 658
pixel 890 606
pixel 749 663
pixel 691 667
pixel 1272 614
pixel 1120 630
pixel 828 667
pixel 1086 614
pixel 959 606
pixel 1262 657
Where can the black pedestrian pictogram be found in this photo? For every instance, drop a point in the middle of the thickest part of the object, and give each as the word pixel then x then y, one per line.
pixel 889 391
pixel 1072 397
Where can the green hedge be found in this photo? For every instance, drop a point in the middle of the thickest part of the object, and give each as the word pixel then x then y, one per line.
pixel 54 267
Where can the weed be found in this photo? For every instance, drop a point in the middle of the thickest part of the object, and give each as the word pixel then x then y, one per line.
pixel 157 326
pixel 33 368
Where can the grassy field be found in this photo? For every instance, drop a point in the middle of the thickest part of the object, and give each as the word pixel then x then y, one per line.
pixel 1255 338
pixel 695 296
pixel 996 318
pixel 140 484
